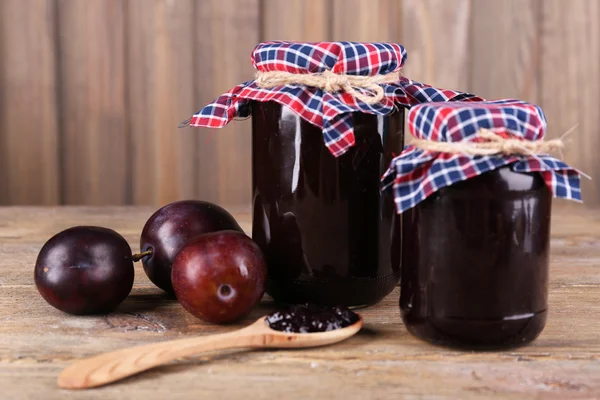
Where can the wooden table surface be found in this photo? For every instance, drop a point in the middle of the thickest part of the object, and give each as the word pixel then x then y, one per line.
pixel 382 361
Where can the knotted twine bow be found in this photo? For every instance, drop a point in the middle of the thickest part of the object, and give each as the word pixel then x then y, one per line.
pixel 332 82
pixel 494 144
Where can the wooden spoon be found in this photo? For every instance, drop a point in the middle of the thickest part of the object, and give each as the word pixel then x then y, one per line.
pixel 110 367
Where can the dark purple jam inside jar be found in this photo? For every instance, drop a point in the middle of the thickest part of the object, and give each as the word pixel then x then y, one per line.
pixel 329 234
pixel 475 262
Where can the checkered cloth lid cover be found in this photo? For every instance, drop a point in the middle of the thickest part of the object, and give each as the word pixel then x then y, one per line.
pixel 416 174
pixel 329 111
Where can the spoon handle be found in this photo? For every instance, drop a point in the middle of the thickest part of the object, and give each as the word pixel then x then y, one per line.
pixel 110 367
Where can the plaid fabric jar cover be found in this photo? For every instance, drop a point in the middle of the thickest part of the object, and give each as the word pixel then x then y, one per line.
pixel 416 173
pixel 330 111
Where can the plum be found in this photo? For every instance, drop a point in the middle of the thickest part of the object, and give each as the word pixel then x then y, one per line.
pixel 170 227
pixel 219 277
pixel 85 270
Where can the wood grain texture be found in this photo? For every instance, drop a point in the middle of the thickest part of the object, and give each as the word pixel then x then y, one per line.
pixel 571 83
pixel 382 361
pixel 300 20
pixel 93 108
pixel 93 91
pixel 29 136
pixel 226 33
pixel 160 77
pixel 505 49
pixel 367 21
pixel 436 37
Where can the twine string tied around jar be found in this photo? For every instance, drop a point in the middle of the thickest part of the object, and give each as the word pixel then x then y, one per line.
pixel 332 82
pixel 494 144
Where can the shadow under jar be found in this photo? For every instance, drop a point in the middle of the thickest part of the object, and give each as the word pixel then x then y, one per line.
pixel 329 234
pixel 475 262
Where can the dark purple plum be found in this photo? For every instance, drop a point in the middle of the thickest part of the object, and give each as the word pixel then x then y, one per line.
pixel 170 227
pixel 85 270
pixel 219 277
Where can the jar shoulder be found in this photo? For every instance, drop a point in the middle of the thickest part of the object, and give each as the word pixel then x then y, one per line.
pixel 497 182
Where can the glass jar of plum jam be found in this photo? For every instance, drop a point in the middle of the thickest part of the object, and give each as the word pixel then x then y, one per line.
pixel 475 265
pixel 327 119
pixel 475 191
pixel 329 234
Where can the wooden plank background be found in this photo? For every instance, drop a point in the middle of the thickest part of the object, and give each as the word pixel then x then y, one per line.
pixel 92 92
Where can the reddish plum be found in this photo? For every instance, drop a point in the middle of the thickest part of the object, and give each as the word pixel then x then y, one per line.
pixel 219 277
pixel 85 270
pixel 169 228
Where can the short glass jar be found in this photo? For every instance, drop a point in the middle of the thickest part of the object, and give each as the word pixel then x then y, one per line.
pixel 475 261
pixel 329 234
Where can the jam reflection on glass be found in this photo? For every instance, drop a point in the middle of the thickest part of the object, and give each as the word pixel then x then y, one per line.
pixel 475 262
pixel 330 236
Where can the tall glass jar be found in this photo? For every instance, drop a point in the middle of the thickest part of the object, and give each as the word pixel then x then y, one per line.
pixel 329 234
pixel 475 261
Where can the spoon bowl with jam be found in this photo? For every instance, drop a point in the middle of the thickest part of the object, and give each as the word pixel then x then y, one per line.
pixel 299 327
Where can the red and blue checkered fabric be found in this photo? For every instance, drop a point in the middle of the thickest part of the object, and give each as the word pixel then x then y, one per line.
pixel 416 174
pixel 329 111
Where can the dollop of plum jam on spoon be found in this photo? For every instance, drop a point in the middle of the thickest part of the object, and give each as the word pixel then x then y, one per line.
pixel 310 318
